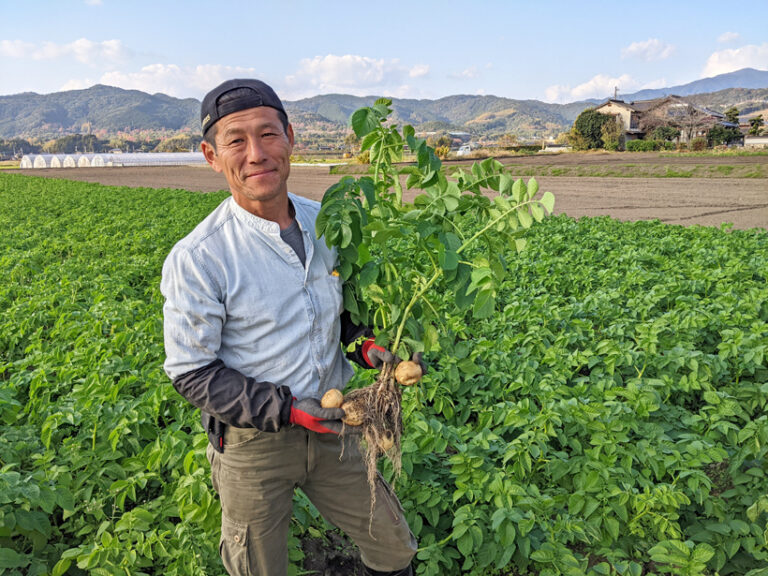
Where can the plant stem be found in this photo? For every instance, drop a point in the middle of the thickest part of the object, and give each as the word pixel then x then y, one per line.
pixel 415 298
pixel 490 225
pixel 439 272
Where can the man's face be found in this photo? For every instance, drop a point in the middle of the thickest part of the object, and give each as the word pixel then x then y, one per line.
pixel 253 152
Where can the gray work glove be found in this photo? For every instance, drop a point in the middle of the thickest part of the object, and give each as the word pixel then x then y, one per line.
pixel 309 414
pixel 312 416
pixel 376 356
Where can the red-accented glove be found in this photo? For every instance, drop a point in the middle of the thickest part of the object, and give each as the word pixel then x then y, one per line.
pixel 376 356
pixel 309 414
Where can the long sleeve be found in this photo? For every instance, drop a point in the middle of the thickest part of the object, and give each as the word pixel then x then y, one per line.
pixel 234 399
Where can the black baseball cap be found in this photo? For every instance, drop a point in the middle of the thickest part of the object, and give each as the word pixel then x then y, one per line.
pixel 235 95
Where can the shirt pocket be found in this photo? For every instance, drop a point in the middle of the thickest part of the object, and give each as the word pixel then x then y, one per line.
pixel 336 292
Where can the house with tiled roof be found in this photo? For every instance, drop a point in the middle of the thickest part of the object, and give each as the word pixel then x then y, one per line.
pixel 640 118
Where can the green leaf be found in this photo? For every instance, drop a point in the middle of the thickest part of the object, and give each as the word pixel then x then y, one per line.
pixel 548 201
pixel 518 190
pixel 703 552
pixel 448 259
pixel 533 188
pixel 364 121
pixel 350 301
pixel 33 520
pixel 484 304
pixel 12 559
pixel 346 235
pixel 368 274
pixel 465 544
pixel 525 218
pixel 450 203
pixel 61 567
pixel 502 202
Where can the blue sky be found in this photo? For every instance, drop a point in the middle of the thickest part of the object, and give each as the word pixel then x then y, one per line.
pixel 556 51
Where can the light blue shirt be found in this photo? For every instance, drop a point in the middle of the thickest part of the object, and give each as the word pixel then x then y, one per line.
pixel 235 291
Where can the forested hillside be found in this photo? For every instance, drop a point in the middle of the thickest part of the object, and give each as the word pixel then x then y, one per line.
pixel 108 111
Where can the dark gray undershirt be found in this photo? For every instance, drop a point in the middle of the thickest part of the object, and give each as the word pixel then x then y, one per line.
pixel 294 238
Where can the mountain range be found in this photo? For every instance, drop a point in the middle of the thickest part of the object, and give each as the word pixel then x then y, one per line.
pixel 107 110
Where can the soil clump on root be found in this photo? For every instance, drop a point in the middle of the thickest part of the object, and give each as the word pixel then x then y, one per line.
pixel 382 424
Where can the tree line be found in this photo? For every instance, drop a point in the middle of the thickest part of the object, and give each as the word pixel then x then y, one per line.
pixel 90 143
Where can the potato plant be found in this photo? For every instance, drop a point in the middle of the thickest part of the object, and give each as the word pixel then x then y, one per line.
pixel 397 259
pixel 609 418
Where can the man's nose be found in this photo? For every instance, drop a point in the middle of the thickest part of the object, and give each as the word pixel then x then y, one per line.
pixel 255 150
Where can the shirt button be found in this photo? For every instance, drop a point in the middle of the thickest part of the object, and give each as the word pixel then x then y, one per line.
pixel 237 538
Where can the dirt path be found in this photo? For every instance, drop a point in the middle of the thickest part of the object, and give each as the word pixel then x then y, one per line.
pixel 686 201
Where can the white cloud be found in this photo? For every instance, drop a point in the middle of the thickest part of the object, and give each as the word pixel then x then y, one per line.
pixel 750 56
pixel 728 37
pixel 419 71
pixel 108 52
pixel 466 74
pixel 175 80
pixel 93 2
pixel 648 50
pixel 351 74
pixel 16 49
pixel 557 93
pixel 600 86
pixel 654 84
pixel 78 84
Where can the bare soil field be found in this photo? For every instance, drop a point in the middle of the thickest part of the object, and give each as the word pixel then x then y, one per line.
pixel 707 201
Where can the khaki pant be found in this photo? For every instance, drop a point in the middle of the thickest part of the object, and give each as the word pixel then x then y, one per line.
pixel 255 478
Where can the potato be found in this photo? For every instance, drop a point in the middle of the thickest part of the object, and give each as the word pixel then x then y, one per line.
pixel 332 399
pixel 354 413
pixel 408 373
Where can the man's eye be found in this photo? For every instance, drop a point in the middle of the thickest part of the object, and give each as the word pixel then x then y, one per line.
pixel 235 141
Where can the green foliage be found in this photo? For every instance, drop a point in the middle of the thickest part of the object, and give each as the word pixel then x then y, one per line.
pixel 732 115
pixel 589 126
pixel 397 259
pixel 610 418
pixel 16 146
pixel 643 145
pixel 612 414
pixel 756 125
pixel 102 464
pixel 105 108
pixel 179 143
pixel 612 135
pixel 76 143
pixel 665 133
pixel 698 144
pixel 719 135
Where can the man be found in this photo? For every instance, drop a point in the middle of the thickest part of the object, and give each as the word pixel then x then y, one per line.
pixel 253 330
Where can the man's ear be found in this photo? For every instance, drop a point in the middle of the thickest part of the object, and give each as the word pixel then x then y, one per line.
pixel 210 155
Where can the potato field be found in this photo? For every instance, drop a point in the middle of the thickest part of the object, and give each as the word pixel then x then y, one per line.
pixel 606 417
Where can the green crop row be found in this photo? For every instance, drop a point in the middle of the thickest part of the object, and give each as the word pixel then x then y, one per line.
pixel 609 418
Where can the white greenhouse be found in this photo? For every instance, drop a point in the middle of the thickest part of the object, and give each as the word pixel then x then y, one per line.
pixel 57 161
pixel 122 159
